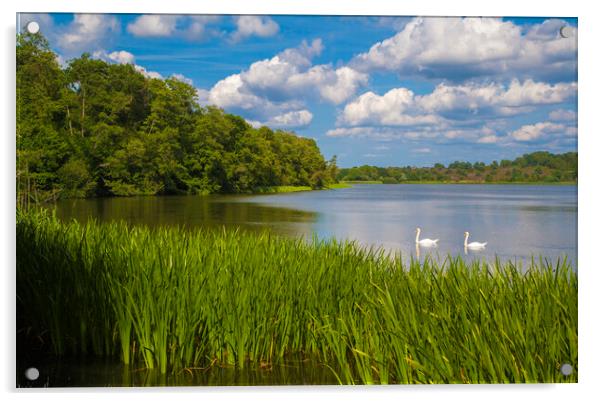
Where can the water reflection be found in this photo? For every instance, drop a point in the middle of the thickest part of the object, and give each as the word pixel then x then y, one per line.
pixel 191 212
pixel 94 372
pixel 518 221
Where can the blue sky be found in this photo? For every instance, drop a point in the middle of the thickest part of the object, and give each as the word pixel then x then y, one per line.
pixel 371 90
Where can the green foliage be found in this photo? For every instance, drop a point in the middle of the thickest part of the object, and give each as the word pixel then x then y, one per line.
pixel 74 178
pixel 100 129
pixel 172 299
pixel 532 167
pixel 390 180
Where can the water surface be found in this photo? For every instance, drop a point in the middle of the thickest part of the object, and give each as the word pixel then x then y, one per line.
pixel 98 372
pixel 517 221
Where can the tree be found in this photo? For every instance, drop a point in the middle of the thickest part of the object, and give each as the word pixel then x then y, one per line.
pixel 41 147
pixel 537 166
pixel 101 129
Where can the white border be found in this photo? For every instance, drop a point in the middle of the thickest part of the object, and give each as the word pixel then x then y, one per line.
pixel 590 34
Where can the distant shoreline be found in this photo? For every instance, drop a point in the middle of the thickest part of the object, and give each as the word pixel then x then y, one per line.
pixel 563 183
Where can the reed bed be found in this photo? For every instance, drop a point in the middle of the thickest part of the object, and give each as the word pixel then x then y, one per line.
pixel 173 299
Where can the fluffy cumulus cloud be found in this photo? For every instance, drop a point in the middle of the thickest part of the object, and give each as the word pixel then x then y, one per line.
pixel 492 77
pixel 119 57
pixel 401 107
pixel 86 32
pixel 182 78
pixel 493 81
pixel 124 57
pixel 250 25
pixel 148 74
pixel 396 107
pixel 463 48
pixel 274 91
pixel 563 115
pixel 153 25
pixel 536 131
pixel 298 118
pixel 338 85
pixel 198 26
pixel 158 25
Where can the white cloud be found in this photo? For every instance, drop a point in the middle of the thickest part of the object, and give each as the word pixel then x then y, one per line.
pixel 249 25
pixel 489 139
pixel 339 85
pixel 153 25
pixel 124 57
pixel 460 48
pixel 202 96
pixel 430 134
pixel 421 150
pixel 562 115
pixel 273 88
pixel 401 107
pixel 283 74
pixel 378 133
pixel 298 118
pixel 532 132
pixel 531 93
pixel 182 78
pixel 353 132
pixel 87 32
pixel 231 94
pixel 156 25
pixel 148 74
pixel 455 101
pixel 198 25
pixel 291 119
pixel 119 57
pixel 396 107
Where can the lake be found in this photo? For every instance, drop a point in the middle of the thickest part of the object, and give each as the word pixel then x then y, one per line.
pixel 517 221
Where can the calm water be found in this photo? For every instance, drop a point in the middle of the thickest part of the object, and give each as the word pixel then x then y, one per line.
pixel 517 221
pixel 95 372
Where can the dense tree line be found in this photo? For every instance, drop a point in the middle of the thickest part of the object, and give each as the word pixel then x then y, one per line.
pixel 531 167
pixel 100 129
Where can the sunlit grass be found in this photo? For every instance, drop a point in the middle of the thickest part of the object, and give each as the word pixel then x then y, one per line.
pixel 362 182
pixel 282 189
pixel 339 185
pixel 171 299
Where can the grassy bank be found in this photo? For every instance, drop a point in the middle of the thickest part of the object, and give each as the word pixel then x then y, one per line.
pixel 174 299
pixel 362 182
pixel 339 185
pixel 290 188
pixel 281 189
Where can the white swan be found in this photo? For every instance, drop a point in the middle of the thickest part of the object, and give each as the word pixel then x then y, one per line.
pixel 473 245
pixel 426 241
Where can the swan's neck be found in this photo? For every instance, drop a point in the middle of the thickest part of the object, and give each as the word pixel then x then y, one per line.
pixel 417 235
pixel 466 240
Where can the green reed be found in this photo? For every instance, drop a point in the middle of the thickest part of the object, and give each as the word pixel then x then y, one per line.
pixel 174 299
